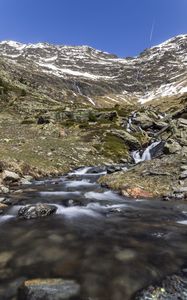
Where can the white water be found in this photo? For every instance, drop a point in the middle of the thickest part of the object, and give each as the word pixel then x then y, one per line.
pixel 79 183
pixel 94 210
pixel 5 218
pixel 59 193
pixel 129 123
pixel 146 154
pixel 80 171
pixel 184 222
pixel 108 195
pixel 76 211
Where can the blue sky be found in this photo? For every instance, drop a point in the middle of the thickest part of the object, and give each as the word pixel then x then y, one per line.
pixel 122 27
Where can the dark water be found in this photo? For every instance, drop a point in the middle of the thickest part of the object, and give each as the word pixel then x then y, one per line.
pixel 111 245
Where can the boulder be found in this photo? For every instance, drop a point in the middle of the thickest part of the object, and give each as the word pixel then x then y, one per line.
pixel 36 211
pixel 10 176
pixel 4 189
pixel 48 289
pixel 171 147
pixel 171 288
pixel 131 141
pixel 143 120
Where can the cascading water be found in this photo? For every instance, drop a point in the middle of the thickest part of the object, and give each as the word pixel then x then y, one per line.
pixel 146 154
pixel 129 123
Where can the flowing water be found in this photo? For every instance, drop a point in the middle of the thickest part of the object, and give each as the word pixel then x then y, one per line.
pixel 150 152
pixel 112 246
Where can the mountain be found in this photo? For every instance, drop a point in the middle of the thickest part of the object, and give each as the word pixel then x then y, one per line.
pixel 47 73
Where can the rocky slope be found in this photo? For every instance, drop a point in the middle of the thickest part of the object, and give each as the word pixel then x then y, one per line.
pixel 55 106
pixel 43 75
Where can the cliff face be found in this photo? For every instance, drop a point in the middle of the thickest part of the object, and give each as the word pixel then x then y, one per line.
pixel 80 74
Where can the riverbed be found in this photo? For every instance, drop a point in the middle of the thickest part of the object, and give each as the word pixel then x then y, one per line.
pixel 111 245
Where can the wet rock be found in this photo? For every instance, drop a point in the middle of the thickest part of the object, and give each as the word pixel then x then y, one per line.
pixel 3 207
pixel 26 180
pixel 8 291
pixel 172 288
pixel 9 176
pixel 48 289
pixel 116 168
pixel 36 211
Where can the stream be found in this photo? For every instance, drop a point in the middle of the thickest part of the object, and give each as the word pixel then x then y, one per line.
pixel 112 246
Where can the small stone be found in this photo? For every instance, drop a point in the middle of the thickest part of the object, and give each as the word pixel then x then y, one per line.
pixel 48 289
pixel 49 153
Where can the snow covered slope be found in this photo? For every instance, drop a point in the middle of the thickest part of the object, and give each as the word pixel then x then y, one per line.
pixel 96 77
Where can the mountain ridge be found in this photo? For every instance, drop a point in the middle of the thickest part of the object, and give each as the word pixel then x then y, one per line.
pixel 82 74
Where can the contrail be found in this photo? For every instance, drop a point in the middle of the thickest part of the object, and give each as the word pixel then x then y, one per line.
pixel 152 30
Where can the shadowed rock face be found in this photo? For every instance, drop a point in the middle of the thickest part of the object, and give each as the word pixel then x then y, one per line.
pixel 81 73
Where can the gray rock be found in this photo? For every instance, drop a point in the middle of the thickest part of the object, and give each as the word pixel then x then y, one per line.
pixel 2 199
pixel 36 211
pixel 4 189
pixel 183 168
pixel 129 139
pixel 172 288
pixel 10 176
pixel 48 289
pixel 182 121
pixel 171 147
pixel 182 190
pixel 143 120
pixel 183 175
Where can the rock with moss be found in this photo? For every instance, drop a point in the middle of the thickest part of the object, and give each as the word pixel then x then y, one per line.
pixel 132 142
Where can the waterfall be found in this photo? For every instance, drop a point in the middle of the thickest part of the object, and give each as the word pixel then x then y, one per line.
pixel 146 154
pixel 130 119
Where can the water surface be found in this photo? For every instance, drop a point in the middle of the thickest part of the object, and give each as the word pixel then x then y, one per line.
pixel 112 246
